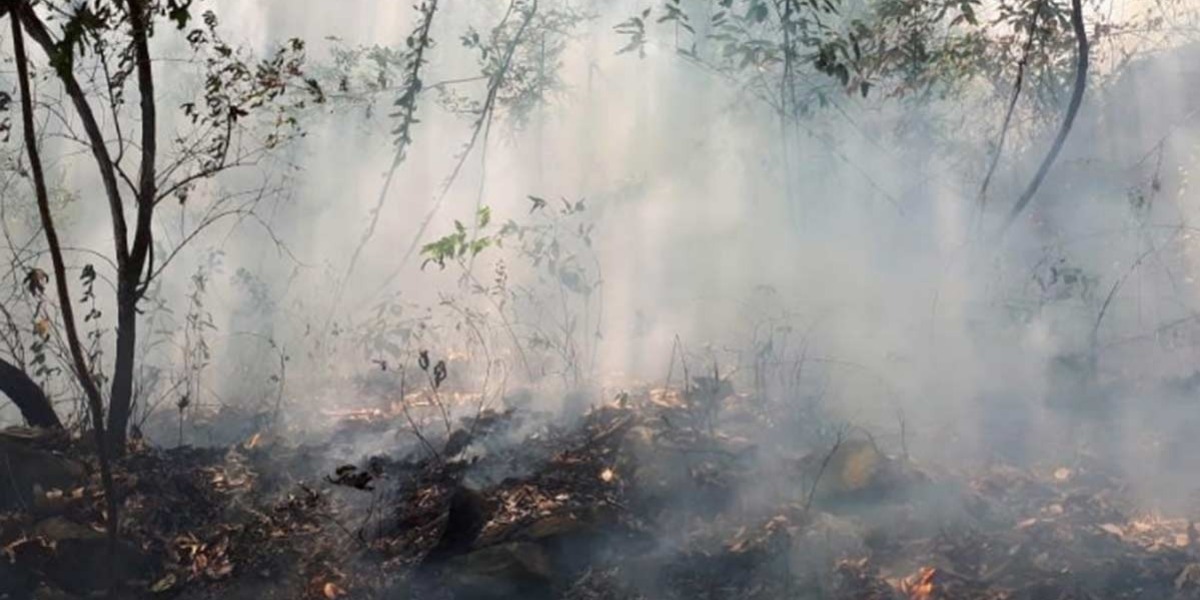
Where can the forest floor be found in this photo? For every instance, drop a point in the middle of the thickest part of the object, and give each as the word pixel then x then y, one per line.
pixel 647 497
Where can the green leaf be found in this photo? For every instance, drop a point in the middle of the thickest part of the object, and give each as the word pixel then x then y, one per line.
pixel 180 12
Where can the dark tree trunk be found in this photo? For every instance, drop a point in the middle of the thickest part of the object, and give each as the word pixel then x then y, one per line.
pixel 120 402
pixel 35 407
pixel 83 371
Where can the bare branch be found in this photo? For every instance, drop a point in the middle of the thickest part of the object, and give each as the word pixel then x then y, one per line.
pixel 1081 71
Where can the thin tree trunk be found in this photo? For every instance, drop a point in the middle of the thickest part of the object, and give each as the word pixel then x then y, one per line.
pixel 1008 113
pixel 82 370
pixel 35 407
pixel 130 261
pixel 120 402
pixel 121 399
pixel 1081 71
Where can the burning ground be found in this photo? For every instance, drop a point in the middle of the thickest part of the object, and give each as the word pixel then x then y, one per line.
pixel 656 494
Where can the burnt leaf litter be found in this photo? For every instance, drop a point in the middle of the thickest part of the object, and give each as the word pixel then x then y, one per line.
pixel 652 495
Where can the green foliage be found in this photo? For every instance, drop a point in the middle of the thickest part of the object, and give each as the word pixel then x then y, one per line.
pixel 179 11
pixel 558 315
pixel 417 43
pixel 236 87
pixel 520 58
pixel 634 28
pixel 1059 280
pixel 89 20
pixel 462 244
pixel 795 54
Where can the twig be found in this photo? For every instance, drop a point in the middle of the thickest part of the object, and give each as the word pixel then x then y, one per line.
pixel 411 422
pixel 1012 105
pixel 407 115
pixel 1112 292
pixel 485 116
pixel 436 397
pixel 80 362
pixel 812 490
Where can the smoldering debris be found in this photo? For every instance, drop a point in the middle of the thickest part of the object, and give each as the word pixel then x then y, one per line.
pixel 630 501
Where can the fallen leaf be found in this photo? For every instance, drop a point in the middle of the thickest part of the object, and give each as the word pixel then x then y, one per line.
pixel 1190 575
pixel 332 591
pixel 164 584
pixel 607 475
pixel 921 586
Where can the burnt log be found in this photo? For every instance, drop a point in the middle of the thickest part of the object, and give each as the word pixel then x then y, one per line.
pixel 35 407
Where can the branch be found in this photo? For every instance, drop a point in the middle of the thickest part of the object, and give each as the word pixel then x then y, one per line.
pixel 138 13
pixel 35 407
pixel 485 116
pixel 407 114
pixel 812 490
pixel 83 372
pixel 37 30
pixel 1081 70
pixel 215 214
pixel 1012 105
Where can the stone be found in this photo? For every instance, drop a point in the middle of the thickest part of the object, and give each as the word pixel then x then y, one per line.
pixel 28 472
pixel 510 570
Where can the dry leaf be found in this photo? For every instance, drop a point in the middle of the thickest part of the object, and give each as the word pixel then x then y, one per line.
pixel 164 584
pixel 1190 575
pixel 333 591
pixel 1027 523
pixel 921 586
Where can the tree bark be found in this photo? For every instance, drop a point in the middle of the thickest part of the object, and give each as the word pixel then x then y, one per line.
pixel 120 402
pixel 131 257
pixel 35 407
pixel 82 371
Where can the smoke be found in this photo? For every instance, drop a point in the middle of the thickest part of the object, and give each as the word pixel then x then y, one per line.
pixel 850 245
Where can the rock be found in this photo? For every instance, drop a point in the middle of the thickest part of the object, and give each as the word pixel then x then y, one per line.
pixel 78 559
pixel 572 540
pixel 16 581
pixel 465 518
pixel 511 570
pixel 854 467
pixel 556 527
pixel 28 472
pixel 58 529
pixel 650 474
pixel 857 472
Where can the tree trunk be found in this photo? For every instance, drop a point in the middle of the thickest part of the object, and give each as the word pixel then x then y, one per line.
pixel 1081 72
pixel 82 370
pixel 28 396
pixel 120 401
pixel 130 273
